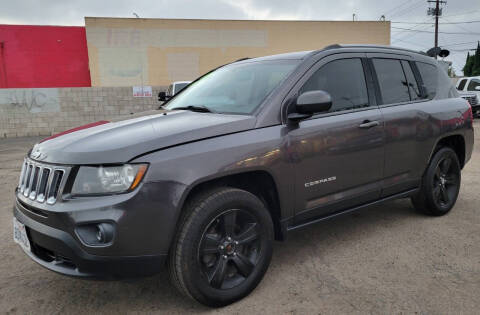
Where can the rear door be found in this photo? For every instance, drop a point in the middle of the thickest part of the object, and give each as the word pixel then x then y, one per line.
pixel 339 154
pixel 406 125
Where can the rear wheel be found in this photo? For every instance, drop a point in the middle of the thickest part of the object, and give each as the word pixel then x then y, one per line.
pixel 440 184
pixel 223 248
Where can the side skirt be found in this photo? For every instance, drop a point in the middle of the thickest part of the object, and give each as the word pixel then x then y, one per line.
pixel 288 227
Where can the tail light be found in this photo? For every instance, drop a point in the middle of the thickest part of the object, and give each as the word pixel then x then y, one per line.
pixel 470 111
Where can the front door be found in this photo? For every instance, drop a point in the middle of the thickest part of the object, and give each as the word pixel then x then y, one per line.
pixel 338 155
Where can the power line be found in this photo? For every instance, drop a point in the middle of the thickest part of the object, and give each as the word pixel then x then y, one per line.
pixel 420 31
pixel 408 42
pixel 443 23
pixel 460 27
pixel 457 44
pixel 467 13
pixel 415 27
pixel 396 7
pixel 463 50
pixel 406 10
pixel 408 35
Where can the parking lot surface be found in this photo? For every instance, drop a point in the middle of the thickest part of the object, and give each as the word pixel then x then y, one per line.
pixel 384 259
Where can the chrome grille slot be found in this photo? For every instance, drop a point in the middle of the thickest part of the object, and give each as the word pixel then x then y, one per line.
pixel 33 186
pixel 42 184
pixel 472 100
pixel 28 180
pixel 22 175
pixel 54 186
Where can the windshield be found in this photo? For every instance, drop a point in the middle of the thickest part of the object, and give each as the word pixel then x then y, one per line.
pixel 235 88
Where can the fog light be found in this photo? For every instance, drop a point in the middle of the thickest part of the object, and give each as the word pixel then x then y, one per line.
pixel 100 234
pixel 97 234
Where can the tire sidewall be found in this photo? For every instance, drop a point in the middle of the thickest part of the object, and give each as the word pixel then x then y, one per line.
pixel 194 278
pixel 429 180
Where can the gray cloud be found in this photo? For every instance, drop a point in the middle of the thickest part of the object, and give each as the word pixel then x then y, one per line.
pixel 72 12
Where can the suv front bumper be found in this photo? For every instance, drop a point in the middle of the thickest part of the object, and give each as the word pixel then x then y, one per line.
pixel 59 251
pixel 143 231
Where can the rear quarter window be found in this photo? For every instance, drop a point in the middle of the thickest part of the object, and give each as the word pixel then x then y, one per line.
pixel 415 93
pixel 429 74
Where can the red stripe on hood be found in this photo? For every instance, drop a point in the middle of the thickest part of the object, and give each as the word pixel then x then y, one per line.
pixel 101 122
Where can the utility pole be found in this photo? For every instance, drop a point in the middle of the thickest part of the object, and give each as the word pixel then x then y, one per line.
pixel 436 12
pixel 437 7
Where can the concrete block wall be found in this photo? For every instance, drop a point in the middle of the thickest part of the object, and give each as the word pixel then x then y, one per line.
pixel 46 111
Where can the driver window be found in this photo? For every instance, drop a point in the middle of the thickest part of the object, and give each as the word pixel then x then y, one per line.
pixel 344 80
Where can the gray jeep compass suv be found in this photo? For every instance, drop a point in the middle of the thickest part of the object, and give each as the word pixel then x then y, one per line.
pixel 243 155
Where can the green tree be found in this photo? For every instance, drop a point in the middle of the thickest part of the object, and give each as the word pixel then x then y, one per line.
pixel 467 69
pixel 476 61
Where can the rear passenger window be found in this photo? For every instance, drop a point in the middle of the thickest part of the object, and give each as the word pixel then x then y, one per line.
pixel 392 81
pixel 429 75
pixel 415 93
pixel 461 85
pixel 344 80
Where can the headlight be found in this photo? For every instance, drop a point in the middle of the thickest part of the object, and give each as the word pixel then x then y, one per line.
pixel 108 179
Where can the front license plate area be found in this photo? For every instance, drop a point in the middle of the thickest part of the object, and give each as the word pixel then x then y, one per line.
pixel 20 235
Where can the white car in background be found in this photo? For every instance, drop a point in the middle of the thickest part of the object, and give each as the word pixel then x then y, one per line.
pixel 173 89
pixel 469 89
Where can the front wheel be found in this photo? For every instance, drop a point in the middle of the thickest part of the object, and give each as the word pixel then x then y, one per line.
pixel 440 184
pixel 223 248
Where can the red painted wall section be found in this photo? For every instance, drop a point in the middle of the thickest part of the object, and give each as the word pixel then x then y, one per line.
pixel 43 56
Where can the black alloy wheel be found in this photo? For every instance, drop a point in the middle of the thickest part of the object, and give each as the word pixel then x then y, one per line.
pixel 223 247
pixel 440 184
pixel 445 182
pixel 229 249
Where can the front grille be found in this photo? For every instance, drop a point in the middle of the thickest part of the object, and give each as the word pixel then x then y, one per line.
pixel 473 100
pixel 41 182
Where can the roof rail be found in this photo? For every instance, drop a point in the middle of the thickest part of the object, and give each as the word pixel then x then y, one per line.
pixel 377 46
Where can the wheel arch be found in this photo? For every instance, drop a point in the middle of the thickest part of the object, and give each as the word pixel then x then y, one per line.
pixel 454 141
pixel 259 182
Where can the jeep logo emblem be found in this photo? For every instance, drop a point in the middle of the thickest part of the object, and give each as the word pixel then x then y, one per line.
pixel 37 155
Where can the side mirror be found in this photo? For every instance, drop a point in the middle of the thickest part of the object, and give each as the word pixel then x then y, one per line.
pixel 477 88
pixel 162 96
pixel 310 103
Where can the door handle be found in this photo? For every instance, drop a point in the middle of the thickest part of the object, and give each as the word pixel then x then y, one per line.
pixel 369 124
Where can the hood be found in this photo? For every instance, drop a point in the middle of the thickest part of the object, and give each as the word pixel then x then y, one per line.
pixel 122 140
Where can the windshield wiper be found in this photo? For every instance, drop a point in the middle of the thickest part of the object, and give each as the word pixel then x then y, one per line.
pixel 195 108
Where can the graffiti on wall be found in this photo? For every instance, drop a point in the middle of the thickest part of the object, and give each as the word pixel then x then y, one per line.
pixel 31 100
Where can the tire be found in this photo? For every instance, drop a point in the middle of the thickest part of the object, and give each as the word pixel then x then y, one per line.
pixel 440 184
pixel 223 246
